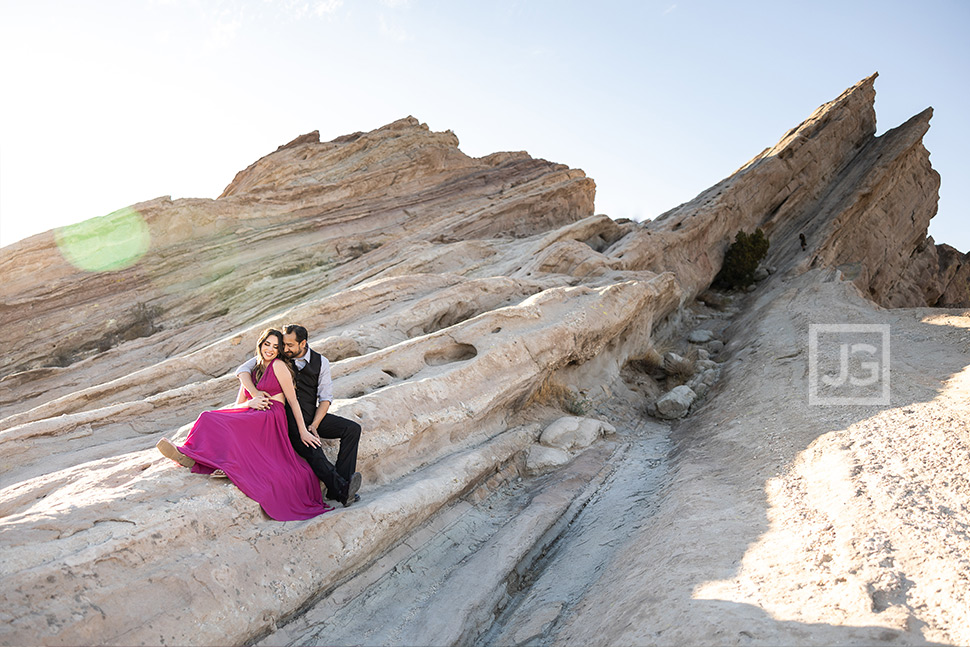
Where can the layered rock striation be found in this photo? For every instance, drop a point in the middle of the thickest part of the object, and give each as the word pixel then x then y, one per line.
pixel 461 300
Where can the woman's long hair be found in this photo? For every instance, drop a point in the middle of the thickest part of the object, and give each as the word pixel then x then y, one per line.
pixel 261 364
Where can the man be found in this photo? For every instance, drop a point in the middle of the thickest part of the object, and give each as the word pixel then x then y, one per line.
pixel 314 392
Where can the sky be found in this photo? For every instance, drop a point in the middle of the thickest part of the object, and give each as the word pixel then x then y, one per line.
pixel 106 104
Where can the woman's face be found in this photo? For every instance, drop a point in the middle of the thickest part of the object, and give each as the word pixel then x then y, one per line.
pixel 270 348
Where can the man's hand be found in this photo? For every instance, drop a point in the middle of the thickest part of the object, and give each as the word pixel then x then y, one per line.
pixel 313 430
pixel 260 401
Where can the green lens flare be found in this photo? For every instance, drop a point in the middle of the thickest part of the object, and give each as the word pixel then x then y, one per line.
pixel 105 244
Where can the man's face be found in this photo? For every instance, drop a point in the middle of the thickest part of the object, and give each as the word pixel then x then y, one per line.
pixel 293 348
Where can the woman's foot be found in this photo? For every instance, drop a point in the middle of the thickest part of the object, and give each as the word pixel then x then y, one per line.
pixel 219 474
pixel 171 451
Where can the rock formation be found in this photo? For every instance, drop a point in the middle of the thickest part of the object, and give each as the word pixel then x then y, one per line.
pixel 467 305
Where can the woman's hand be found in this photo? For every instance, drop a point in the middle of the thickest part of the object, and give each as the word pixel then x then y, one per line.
pixel 286 383
pixel 309 439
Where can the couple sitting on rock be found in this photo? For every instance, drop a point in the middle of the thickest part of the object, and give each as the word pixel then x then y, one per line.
pixel 259 444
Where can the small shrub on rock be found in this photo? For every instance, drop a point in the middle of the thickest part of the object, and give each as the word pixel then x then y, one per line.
pixel 555 393
pixel 650 363
pixel 679 369
pixel 741 260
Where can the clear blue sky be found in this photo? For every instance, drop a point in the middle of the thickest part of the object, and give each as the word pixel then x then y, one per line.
pixel 110 103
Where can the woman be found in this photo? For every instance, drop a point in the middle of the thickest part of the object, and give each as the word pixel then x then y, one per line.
pixel 252 447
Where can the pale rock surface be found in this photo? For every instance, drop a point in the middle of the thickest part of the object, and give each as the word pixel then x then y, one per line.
pixel 541 459
pixel 676 402
pixel 700 336
pixel 451 293
pixel 572 432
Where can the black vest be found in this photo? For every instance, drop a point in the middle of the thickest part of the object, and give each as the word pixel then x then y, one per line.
pixel 306 385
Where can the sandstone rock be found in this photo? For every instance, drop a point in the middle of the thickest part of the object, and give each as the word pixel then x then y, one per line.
pixel 676 402
pixel 708 374
pixel 447 290
pixel 954 277
pixel 780 185
pixel 851 194
pixel 705 364
pixel 542 459
pixel 572 432
pixel 303 237
pixel 700 336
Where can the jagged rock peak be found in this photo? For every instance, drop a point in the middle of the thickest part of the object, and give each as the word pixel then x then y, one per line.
pixel 309 138
pixel 306 160
pixel 856 103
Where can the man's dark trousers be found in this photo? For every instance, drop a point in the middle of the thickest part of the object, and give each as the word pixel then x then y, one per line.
pixel 335 478
pixel 332 426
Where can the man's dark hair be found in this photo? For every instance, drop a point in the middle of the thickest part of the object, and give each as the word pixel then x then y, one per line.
pixel 296 329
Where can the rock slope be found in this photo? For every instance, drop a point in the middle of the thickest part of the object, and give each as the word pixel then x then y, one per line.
pixel 466 303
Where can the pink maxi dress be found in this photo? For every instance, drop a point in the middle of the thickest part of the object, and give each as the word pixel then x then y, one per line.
pixel 253 448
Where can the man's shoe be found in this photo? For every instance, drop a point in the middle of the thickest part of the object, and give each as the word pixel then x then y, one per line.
pixel 169 450
pixel 352 486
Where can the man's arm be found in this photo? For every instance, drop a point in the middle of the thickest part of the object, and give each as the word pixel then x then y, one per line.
pixel 324 395
pixel 260 399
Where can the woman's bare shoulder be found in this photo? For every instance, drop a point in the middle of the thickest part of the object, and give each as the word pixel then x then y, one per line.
pixel 279 368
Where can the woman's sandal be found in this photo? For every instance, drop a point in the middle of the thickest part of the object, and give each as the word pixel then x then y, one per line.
pixel 219 474
pixel 169 450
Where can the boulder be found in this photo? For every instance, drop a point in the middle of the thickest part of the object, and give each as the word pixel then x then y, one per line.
pixel 676 402
pixel 700 336
pixel 541 459
pixel 571 432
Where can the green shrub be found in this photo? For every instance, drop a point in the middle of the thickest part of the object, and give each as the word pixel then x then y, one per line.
pixel 741 260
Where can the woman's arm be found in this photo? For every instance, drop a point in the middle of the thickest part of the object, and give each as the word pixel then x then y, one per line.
pixel 286 383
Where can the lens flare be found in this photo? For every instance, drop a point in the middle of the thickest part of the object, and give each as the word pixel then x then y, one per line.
pixel 105 244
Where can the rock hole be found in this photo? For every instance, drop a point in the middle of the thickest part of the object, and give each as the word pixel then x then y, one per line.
pixel 390 373
pixel 499 329
pixel 449 354
pixel 453 315
pixel 596 242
